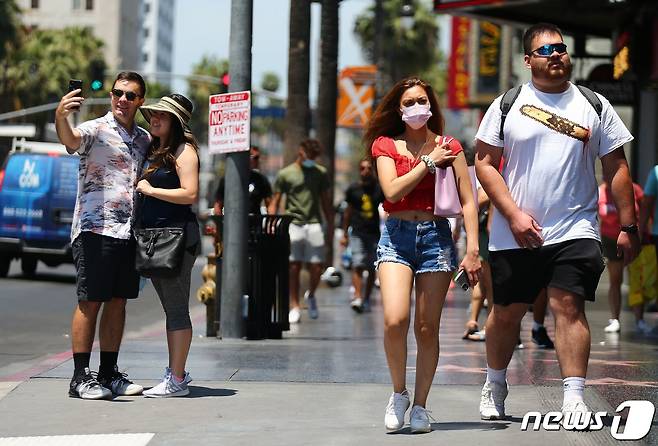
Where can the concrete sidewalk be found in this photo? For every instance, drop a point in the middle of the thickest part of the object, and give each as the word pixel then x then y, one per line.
pixel 326 382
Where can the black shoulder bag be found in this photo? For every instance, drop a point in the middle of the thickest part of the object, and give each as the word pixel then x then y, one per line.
pixel 159 250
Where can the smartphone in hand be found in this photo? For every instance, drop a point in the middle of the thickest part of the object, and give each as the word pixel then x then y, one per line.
pixel 75 84
pixel 461 280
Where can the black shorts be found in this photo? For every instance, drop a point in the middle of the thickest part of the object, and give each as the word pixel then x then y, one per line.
pixel 520 274
pixel 609 246
pixel 105 266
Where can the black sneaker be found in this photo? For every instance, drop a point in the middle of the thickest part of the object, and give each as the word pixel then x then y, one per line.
pixel 119 383
pixel 87 387
pixel 540 337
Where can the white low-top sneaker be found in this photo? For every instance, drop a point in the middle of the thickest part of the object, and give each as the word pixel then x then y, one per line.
pixel 397 406
pixel 613 326
pixel 186 378
pixel 575 413
pixel 492 401
pixel 420 420
pixel 168 388
pixel 87 387
pixel 294 316
pixel 357 305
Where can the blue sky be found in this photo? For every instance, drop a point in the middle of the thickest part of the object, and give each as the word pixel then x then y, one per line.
pixel 202 27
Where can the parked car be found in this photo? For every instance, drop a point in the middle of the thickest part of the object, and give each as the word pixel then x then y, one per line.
pixel 38 186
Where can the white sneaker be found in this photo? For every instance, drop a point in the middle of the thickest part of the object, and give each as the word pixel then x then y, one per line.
pixel 87 387
pixel 398 404
pixel 168 388
pixel 295 315
pixel 420 420
pixel 186 378
pixel 612 327
pixel 312 305
pixel 642 327
pixel 574 413
pixel 357 305
pixel 492 401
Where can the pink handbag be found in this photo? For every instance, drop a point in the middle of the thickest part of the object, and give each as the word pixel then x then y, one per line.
pixel 446 196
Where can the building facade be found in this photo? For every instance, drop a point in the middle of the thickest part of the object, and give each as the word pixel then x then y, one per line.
pixel 118 23
pixel 158 34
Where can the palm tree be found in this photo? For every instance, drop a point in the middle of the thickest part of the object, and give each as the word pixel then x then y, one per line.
pixel 328 90
pixel 297 113
pixel 405 51
pixel 39 70
pixel 9 40
pixel 199 92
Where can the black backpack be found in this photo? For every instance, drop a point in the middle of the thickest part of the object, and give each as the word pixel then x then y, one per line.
pixel 510 96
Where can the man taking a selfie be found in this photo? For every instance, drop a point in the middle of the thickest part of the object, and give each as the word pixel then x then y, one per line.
pixel 112 150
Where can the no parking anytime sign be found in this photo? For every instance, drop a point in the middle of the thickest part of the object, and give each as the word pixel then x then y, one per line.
pixel 229 122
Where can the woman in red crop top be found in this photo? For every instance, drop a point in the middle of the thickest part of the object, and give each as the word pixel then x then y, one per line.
pixel 415 245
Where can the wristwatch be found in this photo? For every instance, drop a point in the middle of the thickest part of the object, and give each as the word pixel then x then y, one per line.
pixel 630 229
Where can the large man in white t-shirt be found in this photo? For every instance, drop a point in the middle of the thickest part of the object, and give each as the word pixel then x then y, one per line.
pixel 545 232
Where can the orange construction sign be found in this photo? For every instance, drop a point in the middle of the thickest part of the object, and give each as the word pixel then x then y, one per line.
pixel 356 93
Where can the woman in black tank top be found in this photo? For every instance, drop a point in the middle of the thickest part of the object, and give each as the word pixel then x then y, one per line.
pixel 170 185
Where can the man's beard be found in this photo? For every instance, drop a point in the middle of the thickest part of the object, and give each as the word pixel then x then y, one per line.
pixel 545 72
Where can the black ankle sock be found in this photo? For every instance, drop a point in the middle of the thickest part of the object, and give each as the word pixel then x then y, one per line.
pixel 108 361
pixel 80 362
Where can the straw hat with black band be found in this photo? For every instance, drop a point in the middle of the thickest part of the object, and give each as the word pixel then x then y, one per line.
pixel 169 105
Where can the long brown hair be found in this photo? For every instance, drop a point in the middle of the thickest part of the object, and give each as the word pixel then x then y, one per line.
pixel 386 120
pixel 165 156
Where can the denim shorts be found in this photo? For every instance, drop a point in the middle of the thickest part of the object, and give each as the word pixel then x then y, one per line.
pixel 425 246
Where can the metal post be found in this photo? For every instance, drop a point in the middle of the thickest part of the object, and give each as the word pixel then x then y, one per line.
pixel 235 233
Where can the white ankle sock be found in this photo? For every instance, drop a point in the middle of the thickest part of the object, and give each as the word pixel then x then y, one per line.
pixel 536 326
pixel 574 388
pixel 496 376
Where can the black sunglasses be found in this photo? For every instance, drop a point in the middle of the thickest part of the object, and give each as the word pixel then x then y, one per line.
pixel 130 96
pixel 548 49
pixel 411 101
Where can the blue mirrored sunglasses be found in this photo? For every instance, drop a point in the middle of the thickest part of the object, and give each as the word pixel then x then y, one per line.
pixel 547 50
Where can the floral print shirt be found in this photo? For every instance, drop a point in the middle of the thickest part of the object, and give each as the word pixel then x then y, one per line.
pixel 111 161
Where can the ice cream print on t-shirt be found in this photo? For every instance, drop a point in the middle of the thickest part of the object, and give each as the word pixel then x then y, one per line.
pixel 557 123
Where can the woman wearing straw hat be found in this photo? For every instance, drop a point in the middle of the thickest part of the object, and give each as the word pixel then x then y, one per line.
pixel 170 185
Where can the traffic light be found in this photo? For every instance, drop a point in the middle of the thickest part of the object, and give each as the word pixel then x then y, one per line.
pixel 97 74
pixel 224 81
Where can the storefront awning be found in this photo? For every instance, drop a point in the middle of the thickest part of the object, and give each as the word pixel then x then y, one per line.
pixel 592 17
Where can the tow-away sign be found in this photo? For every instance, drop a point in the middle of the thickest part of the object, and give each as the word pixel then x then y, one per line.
pixel 229 122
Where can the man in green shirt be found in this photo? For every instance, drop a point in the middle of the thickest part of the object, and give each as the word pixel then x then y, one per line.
pixel 306 187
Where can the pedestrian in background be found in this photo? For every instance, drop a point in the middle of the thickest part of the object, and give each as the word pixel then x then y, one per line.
pixel 112 150
pixel 416 247
pixel 305 185
pixel 649 215
pixel 482 290
pixel 361 232
pixel 260 190
pixel 544 231
pixel 609 233
pixel 170 186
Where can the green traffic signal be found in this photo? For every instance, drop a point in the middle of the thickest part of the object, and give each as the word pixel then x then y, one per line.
pixel 96 85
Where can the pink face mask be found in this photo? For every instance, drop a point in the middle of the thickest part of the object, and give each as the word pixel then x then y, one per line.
pixel 416 115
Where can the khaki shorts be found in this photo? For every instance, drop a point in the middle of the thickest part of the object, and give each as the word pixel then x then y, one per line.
pixel 306 243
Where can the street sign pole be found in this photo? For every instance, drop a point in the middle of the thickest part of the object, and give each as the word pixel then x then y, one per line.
pixel 235 231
